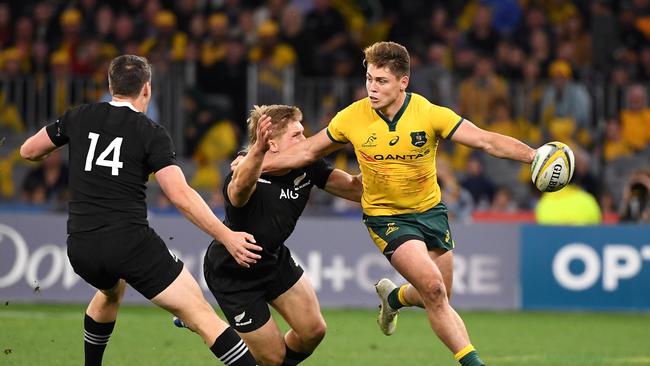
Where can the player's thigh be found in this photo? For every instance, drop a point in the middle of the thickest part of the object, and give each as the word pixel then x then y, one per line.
pixel 146 264
pixel 83 253
pixel 184 298
pixel 266 343
pixel 413 262
pixel 390 232
pixel 444 259
pixel 308 321
pixel 115 294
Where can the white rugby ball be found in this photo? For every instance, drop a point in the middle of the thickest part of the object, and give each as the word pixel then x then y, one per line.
pixel 552 167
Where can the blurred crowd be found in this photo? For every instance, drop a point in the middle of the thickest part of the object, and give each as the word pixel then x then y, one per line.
pixel 573 71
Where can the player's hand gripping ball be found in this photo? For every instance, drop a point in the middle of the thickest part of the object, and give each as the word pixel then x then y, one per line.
pixel 552 167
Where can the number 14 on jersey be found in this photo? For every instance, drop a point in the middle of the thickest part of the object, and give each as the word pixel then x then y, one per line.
pixel 115 164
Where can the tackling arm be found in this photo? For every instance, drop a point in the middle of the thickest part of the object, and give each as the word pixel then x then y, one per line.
pixel 495 144
pixel 344 185
pixel 38 146
pixel 189 202
pixel 245 175
pixel 302 153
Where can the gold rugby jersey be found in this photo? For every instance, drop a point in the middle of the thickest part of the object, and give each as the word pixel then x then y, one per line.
pixel 397 158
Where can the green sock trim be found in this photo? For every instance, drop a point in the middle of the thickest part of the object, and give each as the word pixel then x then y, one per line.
pixel 471 359
pixel 393 299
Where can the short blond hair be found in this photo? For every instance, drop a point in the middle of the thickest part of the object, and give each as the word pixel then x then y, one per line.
pixel 388 54
pixel 280 115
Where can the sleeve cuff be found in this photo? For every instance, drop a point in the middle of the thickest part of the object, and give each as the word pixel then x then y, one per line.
pixel 453 130
pixel 332 137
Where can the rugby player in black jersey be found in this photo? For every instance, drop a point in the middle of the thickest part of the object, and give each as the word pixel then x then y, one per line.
pixel 268 206
pixel 113 147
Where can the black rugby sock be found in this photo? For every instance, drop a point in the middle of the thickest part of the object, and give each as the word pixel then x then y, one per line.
pixel 293 358
pixel 232 350
pixel 96 337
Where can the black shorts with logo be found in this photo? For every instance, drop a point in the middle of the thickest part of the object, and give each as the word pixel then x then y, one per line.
pixel 243 294
pixel 135 253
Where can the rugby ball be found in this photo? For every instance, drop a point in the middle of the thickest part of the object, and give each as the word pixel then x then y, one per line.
pixel 552 167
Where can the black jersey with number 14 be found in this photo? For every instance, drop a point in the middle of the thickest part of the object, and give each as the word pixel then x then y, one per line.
pixel 112 150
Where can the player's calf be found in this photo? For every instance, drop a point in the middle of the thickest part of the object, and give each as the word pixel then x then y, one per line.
pixel 96 336
pixel 231 349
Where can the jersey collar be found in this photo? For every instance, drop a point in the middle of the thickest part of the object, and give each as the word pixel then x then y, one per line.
pixel 392 124
pixel 123 104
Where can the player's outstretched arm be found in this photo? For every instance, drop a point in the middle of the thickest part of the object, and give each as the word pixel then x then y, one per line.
pixel 302 153
pixel 344 185
pixel 245 175
pixel 189 202
pixel 495 144
pixel 38 146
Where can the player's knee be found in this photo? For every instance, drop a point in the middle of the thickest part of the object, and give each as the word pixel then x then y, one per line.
pixel 113 296
pixel 433 291
pixel 317 332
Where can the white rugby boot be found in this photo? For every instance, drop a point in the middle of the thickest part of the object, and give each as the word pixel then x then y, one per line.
pixel 387 318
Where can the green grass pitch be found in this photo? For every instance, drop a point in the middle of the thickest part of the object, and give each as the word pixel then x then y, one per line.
pixel 52 335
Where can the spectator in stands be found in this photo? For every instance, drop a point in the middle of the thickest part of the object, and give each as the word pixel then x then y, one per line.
pixel 60 72
pixel 569 206
pixel 479 91
pixel 574 32
pixel 293 32
pixel 506 15
pixel 46 27
pixel 509 60
pixel 501 121
pixel 604 30
pixel 615 146
pixel 540 48
pixel 566 98
pixel 477 183
pixel 438 26
pixel 619 81
pixel 559 11
pixel 125 36
pixel 272 58
pixel 213 48
pixel 529 96
pixel 636 198
pixel 582 174
pixel 104 21
pixel 74 42
pixel 458 200
pixel 635 117
pixel 503 202
pixel 483 37
pixel 166 41
pixel 608 207
pixel 48 182
pixel 327 26
pixel 534 20
pixel 185 11
pixel 23 40
pixel 431 79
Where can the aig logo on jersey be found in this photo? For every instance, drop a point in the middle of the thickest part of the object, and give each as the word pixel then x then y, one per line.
pixel 288 194
pixel 418 138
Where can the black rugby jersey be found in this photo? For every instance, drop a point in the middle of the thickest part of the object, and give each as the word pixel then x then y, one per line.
pixel 271 213
pixel 112 150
